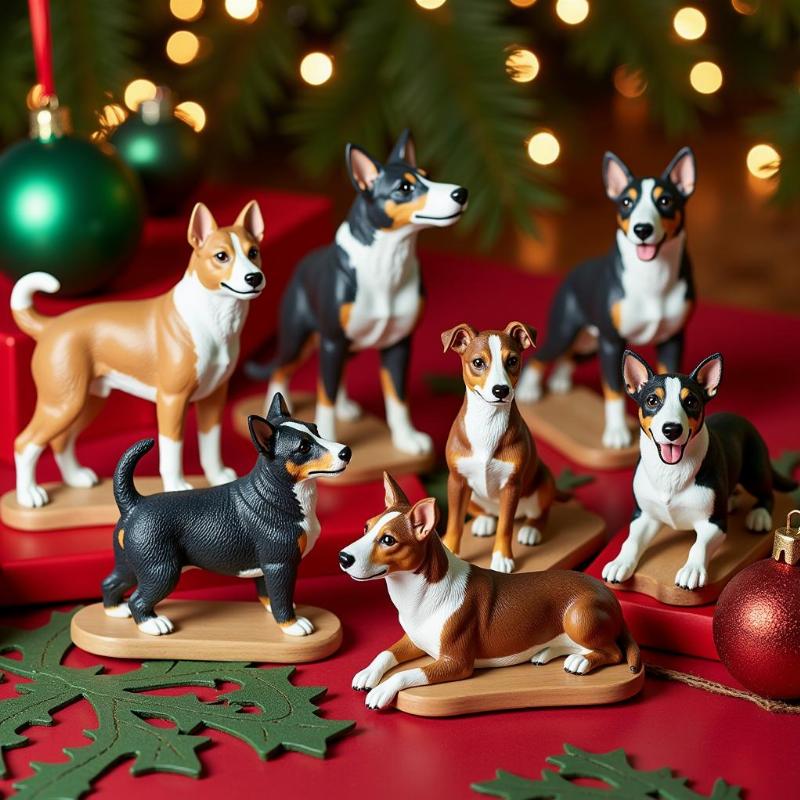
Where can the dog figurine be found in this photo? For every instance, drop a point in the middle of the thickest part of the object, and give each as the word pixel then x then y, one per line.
pixel 465 617
pixel 690 466
pixel 641 292
pixel 495 473
pixel 259 526
pixel 364 290
pixel 173 349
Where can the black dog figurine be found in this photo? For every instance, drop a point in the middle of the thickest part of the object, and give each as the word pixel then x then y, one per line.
pixel 259 526
pixel 641 292
pixel 364 290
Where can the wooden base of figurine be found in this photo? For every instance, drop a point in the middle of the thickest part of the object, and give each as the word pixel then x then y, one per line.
pixel 208 631
pixel 571 536
pixel 573 424
pixel 368 437
pixel 75 508
pixel 520 686
pixel 655 575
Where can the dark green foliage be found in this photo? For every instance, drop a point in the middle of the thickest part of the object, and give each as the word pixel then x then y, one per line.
pixel 782 128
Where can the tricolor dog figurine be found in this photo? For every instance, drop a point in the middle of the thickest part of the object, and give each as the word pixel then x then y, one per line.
pixel 174 349
pixel 466 617
pixel 495 472
pixel 259 526
pixel 690 466
pixel 640 293
pixel 364 290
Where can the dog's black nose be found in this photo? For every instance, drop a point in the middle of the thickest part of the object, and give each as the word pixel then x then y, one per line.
pixel 460 195
pixel 345 454
pixel 501 391
pixel 346 560
pixel 643 230
pixel 253 279
pixel 672 430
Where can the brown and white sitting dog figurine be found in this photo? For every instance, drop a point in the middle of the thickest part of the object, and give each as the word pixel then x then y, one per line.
pixel 173 349
pixel 495 473
pixel 466 617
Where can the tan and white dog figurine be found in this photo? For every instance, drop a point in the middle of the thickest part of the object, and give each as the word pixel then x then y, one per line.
pixel 173 349
pixel 495 473
pixel 465 617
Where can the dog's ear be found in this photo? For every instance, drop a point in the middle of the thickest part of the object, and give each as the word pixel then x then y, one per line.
pixel 524 334
pixel 260 432
pixel 458 338
pixel 404 149
pixel 423 516
pixel 251 220
pixel 616 176
pixel 361 167
pixel 278 407
pixel 636 372
pixel 201 225
pixel 393 494
pixel 708 373
pixel 682 171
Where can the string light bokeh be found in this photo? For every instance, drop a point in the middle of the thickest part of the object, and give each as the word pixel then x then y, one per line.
pixel 706 77
pixel 572 12
pixel 186 10
pixel 182 47
pixel 137 91
pixel 544 148
pixel 689 23
pixel 316 68
pixel 522 65
pixel 763 161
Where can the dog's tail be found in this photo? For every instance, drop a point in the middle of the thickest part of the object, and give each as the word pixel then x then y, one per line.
pixel 783 483
pixel 28 319
pixel 124 491
pixel 633 657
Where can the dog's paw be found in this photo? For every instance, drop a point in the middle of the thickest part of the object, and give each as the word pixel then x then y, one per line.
pixel 576 664
pixel 122 611
pixel 156 626
pixel 176 484
pixel 382 695
pixel 758 519
pixel 691 576
pixel 734 501
pixel 560 383
pixel 543 656
pixel 529 388
pixel 302 626
pixel 615 437
pixel 348 410
pixel 501 563
pixel 413 442
pixel 368 678
pixel 81 478
pixel 529 535
pixel 225 475
pixel 484 525
pixel 618 570
pixel 33 496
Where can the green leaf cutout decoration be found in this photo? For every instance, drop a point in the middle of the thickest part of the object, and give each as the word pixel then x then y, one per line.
pixel 613 769
pixel 284 715
pixel 568 480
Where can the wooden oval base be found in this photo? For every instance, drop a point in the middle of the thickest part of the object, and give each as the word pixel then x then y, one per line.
pixel 573 424
pixel 368 437
pixel 208 631
pixel 521 686
pixel 572 535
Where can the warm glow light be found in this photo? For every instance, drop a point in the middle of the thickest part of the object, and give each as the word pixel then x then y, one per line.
pixel 112 115
pixel 573 12
pixel 182 47
pixel 186 10
pixel 763 160
pixel 429 5
pixel 746 7
pixel 705 77
pixel 522 3
pixel 192 113
pixel 138 91
pixel 242 9
pixel 543 148
pixel 689 23
pixel 522 65
pixel 629 83
pixel 316 68
pixel 35 97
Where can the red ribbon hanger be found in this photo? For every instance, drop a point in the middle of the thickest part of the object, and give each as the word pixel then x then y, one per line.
pixel 39 11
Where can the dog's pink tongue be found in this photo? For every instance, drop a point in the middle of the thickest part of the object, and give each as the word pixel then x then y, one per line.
pixel 646 252
pixel 671 453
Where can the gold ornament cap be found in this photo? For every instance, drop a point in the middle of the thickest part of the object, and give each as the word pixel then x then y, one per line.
pixel 787 541
pixel 50 121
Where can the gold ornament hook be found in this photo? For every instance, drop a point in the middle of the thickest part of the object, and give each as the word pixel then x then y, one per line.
pixel 787 541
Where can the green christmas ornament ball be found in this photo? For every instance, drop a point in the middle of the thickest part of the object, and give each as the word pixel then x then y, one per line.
pixel 68 207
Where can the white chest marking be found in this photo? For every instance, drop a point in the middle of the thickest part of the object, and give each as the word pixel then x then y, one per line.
pixel 306 494
pixel 387 300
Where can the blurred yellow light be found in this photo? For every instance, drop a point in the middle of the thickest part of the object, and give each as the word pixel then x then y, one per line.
pixel 35 97
pixel 138 91
pixel 112 115
pixel 242 9
pixel 573 12
pixel 522 65
pixel 763 160
pixel 522 3
pixel 316 68
pixel 186 10
pixel 689 23
pixel 191 112
pixel 543 148
pixel 746 7
pixel 705 77
pixel 429 5
pixel 629 83
pixel 182 47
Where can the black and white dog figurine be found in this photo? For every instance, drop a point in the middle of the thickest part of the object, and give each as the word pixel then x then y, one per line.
pixel 690 466
pixel 259 526
pixel 364 290
pixel 640 293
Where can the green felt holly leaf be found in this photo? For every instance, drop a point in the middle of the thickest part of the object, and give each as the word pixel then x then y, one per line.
pixel 621 781
pixel 568 480
pixel 266 711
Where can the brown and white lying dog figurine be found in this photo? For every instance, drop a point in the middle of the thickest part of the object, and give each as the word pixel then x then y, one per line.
pixel 466 617
pixel 173 349
pixel 495 473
